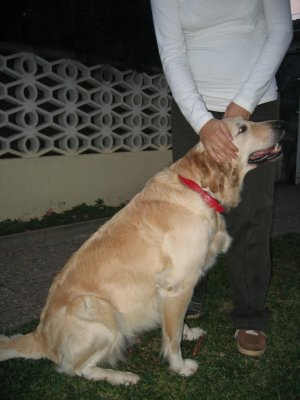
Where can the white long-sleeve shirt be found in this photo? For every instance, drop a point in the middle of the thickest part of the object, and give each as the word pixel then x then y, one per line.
pixel 214 52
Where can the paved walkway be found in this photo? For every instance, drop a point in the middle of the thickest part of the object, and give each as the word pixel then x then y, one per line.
pixel 28 262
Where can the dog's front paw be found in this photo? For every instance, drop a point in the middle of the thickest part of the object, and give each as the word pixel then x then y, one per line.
pixel 192 333
pixel 123 378
pixel 188 368
pixel 130 379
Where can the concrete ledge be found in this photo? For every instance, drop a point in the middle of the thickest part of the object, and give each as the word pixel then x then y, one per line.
pixel 54 233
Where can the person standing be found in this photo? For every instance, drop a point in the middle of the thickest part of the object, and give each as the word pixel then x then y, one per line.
pixel 220 58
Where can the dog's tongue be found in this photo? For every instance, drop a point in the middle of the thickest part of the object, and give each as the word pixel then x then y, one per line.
pixel 259 154
pixel 262 153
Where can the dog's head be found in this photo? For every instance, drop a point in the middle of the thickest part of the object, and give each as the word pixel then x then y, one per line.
pixel 257 143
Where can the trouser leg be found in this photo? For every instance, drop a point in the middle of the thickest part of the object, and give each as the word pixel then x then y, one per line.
pixel 248 259
pixel 183 135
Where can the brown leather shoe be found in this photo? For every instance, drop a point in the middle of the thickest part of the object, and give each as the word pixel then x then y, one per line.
pixel 251 343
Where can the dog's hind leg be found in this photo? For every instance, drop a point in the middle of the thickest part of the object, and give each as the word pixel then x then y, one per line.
pixel 173 312
pixel 93 332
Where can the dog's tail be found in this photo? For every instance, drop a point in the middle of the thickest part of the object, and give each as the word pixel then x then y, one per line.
pixel 20 346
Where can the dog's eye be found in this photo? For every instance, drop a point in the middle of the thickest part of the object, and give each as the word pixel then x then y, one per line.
pixel 242 129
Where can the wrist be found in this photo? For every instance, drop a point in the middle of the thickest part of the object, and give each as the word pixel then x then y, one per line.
pixel 205 119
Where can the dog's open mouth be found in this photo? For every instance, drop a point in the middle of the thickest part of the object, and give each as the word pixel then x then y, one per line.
pixel 265 155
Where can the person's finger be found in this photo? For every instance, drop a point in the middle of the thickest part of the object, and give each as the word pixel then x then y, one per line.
pixel 224 147
pixel 217 140
pixel 228 147
pixel 217 153
pixel 225 131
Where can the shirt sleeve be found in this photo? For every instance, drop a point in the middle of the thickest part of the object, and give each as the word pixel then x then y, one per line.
pixel 280 33
pixel 172 50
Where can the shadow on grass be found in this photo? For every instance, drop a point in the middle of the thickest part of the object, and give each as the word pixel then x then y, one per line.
pixel 223 373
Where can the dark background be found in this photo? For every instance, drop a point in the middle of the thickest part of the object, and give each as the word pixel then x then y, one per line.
pixel 119 33
pixel 106 31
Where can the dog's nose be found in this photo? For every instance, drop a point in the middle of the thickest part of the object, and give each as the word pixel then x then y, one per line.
pixel 278 127
pixel 278 124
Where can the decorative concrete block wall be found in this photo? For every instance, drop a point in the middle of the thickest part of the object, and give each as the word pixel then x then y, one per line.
pixel 63 108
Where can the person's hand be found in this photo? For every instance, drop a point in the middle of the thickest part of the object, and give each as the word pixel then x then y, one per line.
pixel 217 140
pixel 234 110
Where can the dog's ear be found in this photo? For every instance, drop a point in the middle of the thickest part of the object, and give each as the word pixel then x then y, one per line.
pixel 210 172
pixel 217 177
pixel 229 178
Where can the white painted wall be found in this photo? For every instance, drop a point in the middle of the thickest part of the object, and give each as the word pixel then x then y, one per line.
pixel 29 187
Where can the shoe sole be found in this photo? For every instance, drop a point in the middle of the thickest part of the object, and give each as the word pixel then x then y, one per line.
pixel 251 353
pixel 193 316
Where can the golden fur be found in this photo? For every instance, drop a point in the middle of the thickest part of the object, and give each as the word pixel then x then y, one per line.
pixel 138 270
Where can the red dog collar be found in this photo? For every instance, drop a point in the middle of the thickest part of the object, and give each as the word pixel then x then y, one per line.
pixel 211 201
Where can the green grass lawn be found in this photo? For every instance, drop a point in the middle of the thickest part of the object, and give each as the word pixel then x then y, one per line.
pixel 223 373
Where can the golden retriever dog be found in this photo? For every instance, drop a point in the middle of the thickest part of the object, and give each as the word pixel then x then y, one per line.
pixel 138 271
